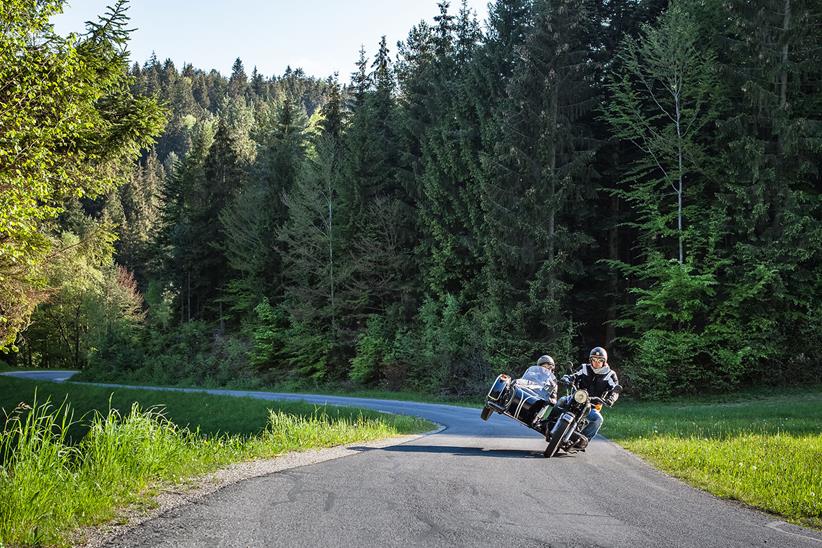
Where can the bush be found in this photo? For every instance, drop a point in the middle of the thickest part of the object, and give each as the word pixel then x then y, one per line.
pixel 282 345
pixel 372 348
pixel 451 357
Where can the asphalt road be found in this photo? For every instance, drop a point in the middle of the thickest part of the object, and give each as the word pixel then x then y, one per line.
pixel 473 484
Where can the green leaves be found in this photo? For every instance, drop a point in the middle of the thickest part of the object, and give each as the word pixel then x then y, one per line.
pixel 662 100
pixel 67 121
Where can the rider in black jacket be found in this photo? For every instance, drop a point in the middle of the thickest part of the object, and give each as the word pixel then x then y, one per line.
pixel 599 380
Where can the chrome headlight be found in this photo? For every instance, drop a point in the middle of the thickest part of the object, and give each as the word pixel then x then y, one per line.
pixel 581 396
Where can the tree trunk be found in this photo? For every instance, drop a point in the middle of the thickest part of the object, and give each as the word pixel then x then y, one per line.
pixel 783 76
pixel 679 189
pixel 552 205
pixel 77 338
pixel 783 80
pixel 613 254
pixel 188 284
pixel 331 260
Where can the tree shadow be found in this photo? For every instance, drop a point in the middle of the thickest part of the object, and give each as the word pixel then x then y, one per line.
pixel 455 450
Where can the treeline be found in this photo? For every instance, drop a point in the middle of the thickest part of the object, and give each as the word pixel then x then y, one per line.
pixel 639 175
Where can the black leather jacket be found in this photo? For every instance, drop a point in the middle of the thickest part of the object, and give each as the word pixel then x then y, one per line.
pixel 596 384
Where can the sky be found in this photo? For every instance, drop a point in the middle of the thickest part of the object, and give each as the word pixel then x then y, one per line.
pixel 321 36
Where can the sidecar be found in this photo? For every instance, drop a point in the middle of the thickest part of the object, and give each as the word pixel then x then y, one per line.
pixel 514 400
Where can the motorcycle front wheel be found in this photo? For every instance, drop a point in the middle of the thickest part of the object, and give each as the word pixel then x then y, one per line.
pixel 557 435
pixel 486 412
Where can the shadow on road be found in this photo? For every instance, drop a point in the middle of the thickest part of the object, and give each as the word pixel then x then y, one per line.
pixel 459 451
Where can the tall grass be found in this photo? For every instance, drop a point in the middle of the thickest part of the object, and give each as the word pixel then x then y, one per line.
pixel 49 486
pixel 36 466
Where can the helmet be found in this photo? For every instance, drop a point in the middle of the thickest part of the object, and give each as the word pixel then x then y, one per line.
pixel 598 352
pixel 546 360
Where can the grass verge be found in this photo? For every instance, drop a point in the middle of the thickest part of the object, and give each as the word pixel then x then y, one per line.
pixel 765 451
pixel 73 463
pixel 325 389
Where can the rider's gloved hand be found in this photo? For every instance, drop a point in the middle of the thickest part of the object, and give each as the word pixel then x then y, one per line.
pixel 566 379
pixel 609 399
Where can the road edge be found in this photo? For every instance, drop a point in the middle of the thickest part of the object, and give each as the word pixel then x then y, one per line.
pixel 194 489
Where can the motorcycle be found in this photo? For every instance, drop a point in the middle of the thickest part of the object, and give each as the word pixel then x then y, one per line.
pixel 564 431
pixel 523 401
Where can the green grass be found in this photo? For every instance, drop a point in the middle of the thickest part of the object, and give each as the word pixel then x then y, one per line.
pixel 762 449
pixel 328 390
pixel 211 414
pixel 66 465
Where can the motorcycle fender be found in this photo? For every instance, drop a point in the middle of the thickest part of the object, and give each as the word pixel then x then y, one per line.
pixel 571 419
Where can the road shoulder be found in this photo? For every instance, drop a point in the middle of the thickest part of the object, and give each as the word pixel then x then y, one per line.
pixel 193 490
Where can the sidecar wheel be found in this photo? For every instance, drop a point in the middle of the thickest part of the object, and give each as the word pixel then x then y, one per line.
pixel 486 412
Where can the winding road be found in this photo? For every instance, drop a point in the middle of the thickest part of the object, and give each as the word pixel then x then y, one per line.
pixel 474 483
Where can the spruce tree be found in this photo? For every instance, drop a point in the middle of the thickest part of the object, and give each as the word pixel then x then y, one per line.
pixel 177 241
pixel 140 198
pixel 540 169
pixel 768 145
pixel 251 220
pixel 311 265
pixel 450 200
pixel 238 82
pixel 333 113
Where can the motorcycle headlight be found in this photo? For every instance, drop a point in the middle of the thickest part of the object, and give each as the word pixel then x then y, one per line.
pixel 580 396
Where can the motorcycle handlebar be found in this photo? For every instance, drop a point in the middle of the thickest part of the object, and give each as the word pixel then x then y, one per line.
pixel 592 399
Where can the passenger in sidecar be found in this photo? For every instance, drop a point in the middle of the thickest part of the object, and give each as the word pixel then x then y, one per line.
pixel 523 399
pixel 541 380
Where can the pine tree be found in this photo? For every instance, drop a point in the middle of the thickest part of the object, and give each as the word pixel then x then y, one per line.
pixel 333 115
pixel 177 240
pixel 140 199
pixel 597 296
pixel 254 216
pixel 311 269
pixel 223 175
pixel 258 87
pixel 449 205
pixel 540 168
pixel 768 144
pixel 238 82
pixel 443 30
pixel 416 92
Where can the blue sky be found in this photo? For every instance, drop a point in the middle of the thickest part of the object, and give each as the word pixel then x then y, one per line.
pixel 322 36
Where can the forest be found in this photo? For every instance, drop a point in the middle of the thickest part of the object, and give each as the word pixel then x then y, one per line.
pixel 642 175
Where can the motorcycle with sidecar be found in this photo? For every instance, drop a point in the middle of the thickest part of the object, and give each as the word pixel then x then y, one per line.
pixel 523 401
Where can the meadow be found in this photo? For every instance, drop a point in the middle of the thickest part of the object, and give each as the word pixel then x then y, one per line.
pixel 760 448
